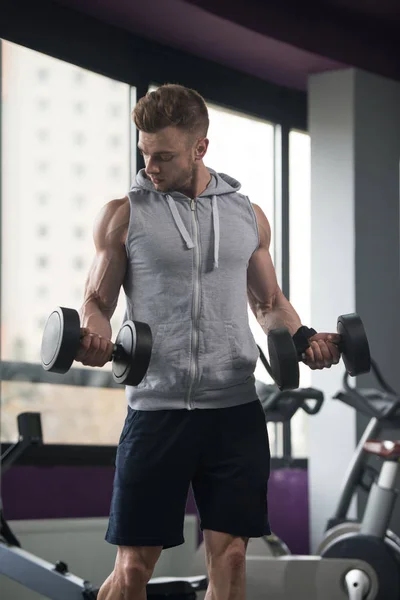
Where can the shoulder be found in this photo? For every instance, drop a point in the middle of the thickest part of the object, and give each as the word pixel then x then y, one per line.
pixel 118 210
pixel 117 207
pixel 264 227
pixel 111 223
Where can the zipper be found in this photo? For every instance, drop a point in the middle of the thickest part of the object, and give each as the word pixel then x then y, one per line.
pixel 195 305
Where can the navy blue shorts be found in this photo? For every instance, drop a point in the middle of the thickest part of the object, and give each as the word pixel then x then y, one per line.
pixel 223 453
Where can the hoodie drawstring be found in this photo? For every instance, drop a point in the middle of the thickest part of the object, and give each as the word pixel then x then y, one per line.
pixel 215 215
pixel 179 223
pixel 184 233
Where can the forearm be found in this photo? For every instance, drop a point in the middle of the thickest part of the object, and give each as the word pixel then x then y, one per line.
pixel 278 313
pixel 96 318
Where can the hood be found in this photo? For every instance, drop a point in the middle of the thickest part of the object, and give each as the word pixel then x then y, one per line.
pixel 220 184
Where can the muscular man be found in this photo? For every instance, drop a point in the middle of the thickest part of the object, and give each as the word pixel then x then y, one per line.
pixel 190 251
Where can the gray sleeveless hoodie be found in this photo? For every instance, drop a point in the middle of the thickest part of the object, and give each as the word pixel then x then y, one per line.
pixel 186 278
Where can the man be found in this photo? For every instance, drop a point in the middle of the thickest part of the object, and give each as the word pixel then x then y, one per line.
pixel 189 251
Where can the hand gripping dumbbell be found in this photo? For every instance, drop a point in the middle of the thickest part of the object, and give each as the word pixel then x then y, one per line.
pixel 284 356
pixel 61 339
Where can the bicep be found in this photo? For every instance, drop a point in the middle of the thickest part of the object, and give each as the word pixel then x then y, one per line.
pixel 108 268
pixel 262 285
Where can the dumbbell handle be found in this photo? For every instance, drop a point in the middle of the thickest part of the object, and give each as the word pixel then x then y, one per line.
pixel 340 345
pixel 116 353
pixel 353 344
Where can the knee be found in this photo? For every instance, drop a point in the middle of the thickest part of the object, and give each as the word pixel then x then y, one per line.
pixel 136 575
pixel 231 559
pixel 235 558
pixel 133 572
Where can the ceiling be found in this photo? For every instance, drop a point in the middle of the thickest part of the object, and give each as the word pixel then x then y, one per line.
pixel 281 41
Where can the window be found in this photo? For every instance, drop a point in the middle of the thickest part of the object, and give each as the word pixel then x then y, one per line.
pixel 42 261
pixel 114 171
pixel 79 108
pixel 78 170
pixel 43 104
pixel 70 415
pixel 42 135
pixel 78 76
pixel 78 201
pixel 38 124
pixel 78 263
pixel 115 110
pixel 114 141
pixel 42 291
pixel 43 167
pixel 43 74
pixel 42 230
pixel 300 259
pixel 79 138
pixel 42 198
pixel 78 232
pixel 41 322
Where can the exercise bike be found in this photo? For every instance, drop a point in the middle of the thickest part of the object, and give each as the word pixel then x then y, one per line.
pixel 383 409
pixel 370 539
pixel 53 580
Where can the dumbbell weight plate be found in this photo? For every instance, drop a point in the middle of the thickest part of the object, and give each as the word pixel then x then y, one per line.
pixel 354 344
pixel 131 357
pixel 60 341
pixel 283 359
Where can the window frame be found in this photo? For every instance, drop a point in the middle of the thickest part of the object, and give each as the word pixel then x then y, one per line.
pixel 107 50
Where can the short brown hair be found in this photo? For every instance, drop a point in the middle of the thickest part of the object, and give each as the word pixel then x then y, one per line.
pixel 172 105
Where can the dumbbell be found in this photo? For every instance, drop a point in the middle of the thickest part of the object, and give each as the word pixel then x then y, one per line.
pixel 61 339
pixel 284 357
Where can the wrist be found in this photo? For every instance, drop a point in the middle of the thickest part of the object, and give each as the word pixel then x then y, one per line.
pixel 301 338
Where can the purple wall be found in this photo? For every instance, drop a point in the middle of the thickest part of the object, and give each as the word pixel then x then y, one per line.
pixel 83 492
pixel 289 508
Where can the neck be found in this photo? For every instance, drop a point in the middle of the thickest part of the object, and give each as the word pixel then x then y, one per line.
pixel 199 182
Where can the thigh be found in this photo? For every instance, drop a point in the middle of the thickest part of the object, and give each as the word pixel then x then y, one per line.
pixel 154 465
pixel 231 484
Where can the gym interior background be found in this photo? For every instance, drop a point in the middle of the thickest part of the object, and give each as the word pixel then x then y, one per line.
pixel 305 112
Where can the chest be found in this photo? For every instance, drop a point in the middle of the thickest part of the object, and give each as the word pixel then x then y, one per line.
pixel 156 240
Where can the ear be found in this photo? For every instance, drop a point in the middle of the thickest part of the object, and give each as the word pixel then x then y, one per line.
pixel 201 148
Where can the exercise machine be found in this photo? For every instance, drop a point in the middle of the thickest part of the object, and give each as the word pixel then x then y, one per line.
pixel 382 407
pixel 53 580
pixel 33 572
pixel 371 538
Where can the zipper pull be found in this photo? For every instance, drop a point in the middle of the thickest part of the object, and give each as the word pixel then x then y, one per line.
pixel 192 204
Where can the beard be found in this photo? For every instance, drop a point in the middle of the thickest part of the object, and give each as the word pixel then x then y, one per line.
pixel 184 181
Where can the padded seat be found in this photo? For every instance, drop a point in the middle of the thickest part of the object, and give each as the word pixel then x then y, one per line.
pixel 386 448
pixel 176 587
